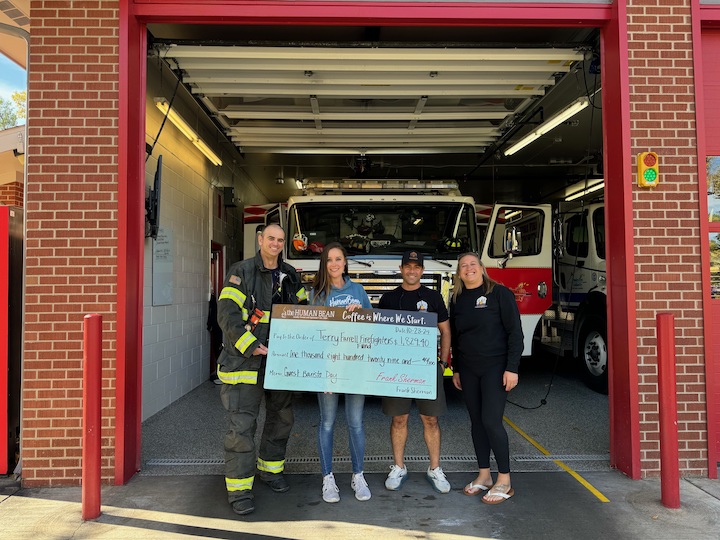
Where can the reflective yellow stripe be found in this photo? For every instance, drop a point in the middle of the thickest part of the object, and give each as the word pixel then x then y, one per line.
pixel 301 294
pixel 245 341
pixel 239 484
pixel 265 318
pixel 274 467
pixel 231 293
pixel 238 377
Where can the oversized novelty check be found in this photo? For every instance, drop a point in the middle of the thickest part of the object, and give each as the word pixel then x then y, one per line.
pixel 377 352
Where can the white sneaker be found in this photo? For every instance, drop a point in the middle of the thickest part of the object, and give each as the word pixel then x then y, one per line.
pixel 331 493
pixel 437 480
pixel 360 487
pixel 396 478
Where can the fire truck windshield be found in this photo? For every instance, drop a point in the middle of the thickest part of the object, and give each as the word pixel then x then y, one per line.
pixel 436 229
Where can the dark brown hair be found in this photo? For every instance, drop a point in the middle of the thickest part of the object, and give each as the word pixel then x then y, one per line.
pixel 321 284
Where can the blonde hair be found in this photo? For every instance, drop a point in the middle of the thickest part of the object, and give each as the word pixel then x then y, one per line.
pixel 459 286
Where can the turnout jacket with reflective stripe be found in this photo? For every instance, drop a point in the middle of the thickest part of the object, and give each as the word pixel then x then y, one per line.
pixel 249 285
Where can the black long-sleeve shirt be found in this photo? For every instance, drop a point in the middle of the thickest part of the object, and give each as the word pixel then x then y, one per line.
pixel 486 328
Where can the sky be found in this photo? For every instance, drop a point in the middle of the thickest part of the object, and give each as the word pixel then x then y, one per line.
pixel 12 78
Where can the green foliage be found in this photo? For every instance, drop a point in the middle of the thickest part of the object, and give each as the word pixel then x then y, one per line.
pixel 715 265
pixel 20 100
pixel 712 169
pixel 8 114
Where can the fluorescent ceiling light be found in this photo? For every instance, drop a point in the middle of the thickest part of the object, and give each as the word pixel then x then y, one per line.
pixel 176 119
pixel 586 191
pixel 549 124
pixel 205 149
pixel 185 129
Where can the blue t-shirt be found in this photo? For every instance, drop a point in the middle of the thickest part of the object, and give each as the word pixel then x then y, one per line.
pixel 350 293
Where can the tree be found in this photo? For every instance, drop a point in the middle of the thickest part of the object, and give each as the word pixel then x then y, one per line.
pixel 20 99
pixel 712 167
pixel 8 114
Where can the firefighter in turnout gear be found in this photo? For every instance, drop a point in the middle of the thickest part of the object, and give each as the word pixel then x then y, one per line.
pixel 250 289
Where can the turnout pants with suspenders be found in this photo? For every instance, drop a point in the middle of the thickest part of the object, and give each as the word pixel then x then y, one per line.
pixel 248 288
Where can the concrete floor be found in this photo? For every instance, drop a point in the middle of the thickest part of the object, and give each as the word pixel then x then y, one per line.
pixel 180 491
pixel 546 505
pixel 186 437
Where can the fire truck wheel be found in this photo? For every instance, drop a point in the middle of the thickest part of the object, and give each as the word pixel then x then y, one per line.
pixel 593 353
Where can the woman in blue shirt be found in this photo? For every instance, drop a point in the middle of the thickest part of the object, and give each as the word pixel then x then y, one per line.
pixel 333 288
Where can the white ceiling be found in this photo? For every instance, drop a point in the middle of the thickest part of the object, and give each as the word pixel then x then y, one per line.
pixel 395 102
pixel 356 101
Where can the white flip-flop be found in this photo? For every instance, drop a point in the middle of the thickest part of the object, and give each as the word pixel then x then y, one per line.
pixel 505 496
pixel 480 488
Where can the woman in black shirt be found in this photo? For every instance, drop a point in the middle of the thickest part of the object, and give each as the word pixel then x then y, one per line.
pixel 487 343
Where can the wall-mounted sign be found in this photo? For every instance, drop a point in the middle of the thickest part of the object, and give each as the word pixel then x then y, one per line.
pixel 162 269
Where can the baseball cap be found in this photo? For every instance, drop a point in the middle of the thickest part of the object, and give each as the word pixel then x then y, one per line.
pixel 412 256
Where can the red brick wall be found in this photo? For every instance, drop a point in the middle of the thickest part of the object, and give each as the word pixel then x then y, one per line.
pixel 667 228
pixel 72 212
pixel 11 194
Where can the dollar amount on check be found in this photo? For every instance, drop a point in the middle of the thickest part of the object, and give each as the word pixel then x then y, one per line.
pixel 376 352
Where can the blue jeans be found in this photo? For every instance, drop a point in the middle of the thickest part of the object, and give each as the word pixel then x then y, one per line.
pixel 354 405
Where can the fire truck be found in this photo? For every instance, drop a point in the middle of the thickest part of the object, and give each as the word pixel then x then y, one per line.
pixel 577 322
pixel 516 249
pixel 522 238
pixel 377 220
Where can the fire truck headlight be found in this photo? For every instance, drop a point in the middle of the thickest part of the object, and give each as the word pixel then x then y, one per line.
pixel 542 289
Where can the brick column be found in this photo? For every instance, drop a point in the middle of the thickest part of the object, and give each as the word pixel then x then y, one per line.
pixel 72 236
pixel 666 222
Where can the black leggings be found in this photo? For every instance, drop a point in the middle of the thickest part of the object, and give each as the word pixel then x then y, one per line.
pixel 485 399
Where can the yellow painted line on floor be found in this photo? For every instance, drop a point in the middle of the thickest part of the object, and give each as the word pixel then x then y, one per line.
pixel 559 463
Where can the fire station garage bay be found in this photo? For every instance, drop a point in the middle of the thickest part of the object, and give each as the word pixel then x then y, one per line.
pixel 443 140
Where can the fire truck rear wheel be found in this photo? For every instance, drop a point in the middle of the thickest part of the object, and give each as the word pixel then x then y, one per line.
pixel 593 354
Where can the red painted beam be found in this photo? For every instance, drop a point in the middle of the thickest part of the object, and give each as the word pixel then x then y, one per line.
pixel 705 60
pixel 621 311
pixel 707 15
pixel 373 13
pixel 131 238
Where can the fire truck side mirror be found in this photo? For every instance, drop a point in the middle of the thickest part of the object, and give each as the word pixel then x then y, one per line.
pixel 513 241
